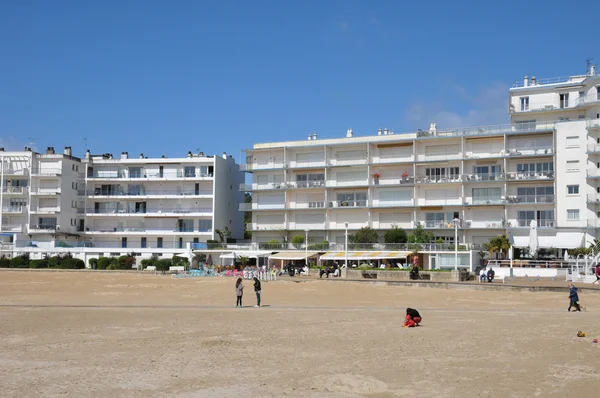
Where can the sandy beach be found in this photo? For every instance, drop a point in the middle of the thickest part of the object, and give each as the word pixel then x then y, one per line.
pixel 115 335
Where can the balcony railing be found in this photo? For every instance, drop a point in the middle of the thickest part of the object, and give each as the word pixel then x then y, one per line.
pixel 17 228
pixel 265 227
pixel 43 227
pixel 407 180
pixel 492 200
pixel 340 247
pixel 348 203
pixel 45 191
pixel 593 124
pixel 348 162
pixel 8 171
pixel 45 209
pixel 313 164
pixel 13 209
pixel 440 202
pixel 257 206
pixel 593 148
pixel 14 190
pixel 545 106
pixel 515 153
pixel 356 183
pixel 153 212
pixel 393 203
pixel 526 223
pixel 526 199
pixel 433 158
pixel 147 192
pixel 442 224
pixel 379 160
pixel 307 205
pixel 593 198
pixel 546 175
pixel 145 229
pixel 483 177
pixel 484 224
pixel 143 175
pixel 593 173
pixel 50 172
pixel 256 166
pixel 439 179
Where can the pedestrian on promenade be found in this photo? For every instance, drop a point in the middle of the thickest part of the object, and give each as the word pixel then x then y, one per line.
pixel 239 292
pixel 257 290
pixel 573 298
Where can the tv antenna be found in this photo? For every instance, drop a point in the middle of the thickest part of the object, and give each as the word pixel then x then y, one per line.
pixel 588 65
pixel 85 143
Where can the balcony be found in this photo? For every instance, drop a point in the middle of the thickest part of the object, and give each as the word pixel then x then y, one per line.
pixel 348 162
pixel 593 149
pixel 469 224
pixel 345 204
pixel 519 176
pixel 439 158
pixel 143 230
pixel 381 204
pixel 441 224
pixel 12 228
pixel 593 124
pixel 530 199
pixel 46 172
pixel 42 228
pixel 345 184
pixel 551 106
pixel 13 209
pixel 148 175
pixel 403 180
pixel 539 152
pixel 265 227
pixel 147 193
pixel 483 177
pixel 307 205
pixel 485 201
pixel 452 179
pixel 45 191
pixel 307 165
pixel 304 226
pixel 266 166
pixel 398 160
pixel 163 212
pixel 482 155
pixel 440 202
pixel 593 198
pixel 306 184
pixel 45 210
pixel 14 190
pixel 12 172
pixel 526 223
pixel 593 173
pixel 257 206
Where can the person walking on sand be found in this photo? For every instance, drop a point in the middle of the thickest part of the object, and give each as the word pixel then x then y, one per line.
pixel 257 289
pixel 573 298
pixel 597 274
pixel 413 318
pixel 239 292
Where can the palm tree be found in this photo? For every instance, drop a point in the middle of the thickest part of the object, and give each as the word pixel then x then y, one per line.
pixel 498 244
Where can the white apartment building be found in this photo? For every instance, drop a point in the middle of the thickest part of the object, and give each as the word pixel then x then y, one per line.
pixel 544 166
pixel 53 201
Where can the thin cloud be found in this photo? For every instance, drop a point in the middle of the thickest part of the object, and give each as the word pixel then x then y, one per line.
pixel 485 106
pixel 343 26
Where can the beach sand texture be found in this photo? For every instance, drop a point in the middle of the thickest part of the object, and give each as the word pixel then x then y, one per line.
pixel 131 335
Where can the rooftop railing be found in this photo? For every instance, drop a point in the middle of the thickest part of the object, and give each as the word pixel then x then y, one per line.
pixel 547 81
pixel 489 130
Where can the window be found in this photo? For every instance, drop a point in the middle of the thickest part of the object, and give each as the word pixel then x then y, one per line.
pixel 189 171
pixel 572 189
pixel 143 243
pixel 524 104
pixel 598 93
pixel 572 166
pixel 185 225
pixel 159 242
pixel 488 173
pixel 545 168
pixel 535 194
pixel 135 172
pixel 180 243
pixel 352 199
pixel 525 125
pixel 74 185
pixel 486 195
pixel 545 218
pixel 123 243
pixel 572 214
pixel 564 100
pixel 442 173
pixel 573 142
pixel 205 226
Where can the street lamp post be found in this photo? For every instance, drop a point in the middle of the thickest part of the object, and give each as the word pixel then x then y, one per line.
pixel 456 221
pixel 306 249
pixel 346 246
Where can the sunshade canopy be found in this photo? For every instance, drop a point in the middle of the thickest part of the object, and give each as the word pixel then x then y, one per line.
pixel 292 255
pixel 364 255
pixel 562 240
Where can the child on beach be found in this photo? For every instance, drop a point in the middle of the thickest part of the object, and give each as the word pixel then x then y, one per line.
pixel 413 318
pixel 239 292
pixel 574 298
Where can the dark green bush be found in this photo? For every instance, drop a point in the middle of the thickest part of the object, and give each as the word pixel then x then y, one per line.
pixel 20 261
pixel 38 263
pixel 147 262
pixel 163 265
pixel 72 263
pixel 104 262
pixel 180 261
pixel 213 244
pixel 54 261
pixel 93 262
pixel 324 245
pixel 124 262
pixel 4 262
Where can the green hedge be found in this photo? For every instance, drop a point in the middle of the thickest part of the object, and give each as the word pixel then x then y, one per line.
pixel 4 262
pixel 106 262
pixel 38 263
pixel 71 263
pixel 163 265
pixel 20 262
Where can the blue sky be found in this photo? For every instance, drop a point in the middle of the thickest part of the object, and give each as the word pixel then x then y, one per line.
pixel 166 77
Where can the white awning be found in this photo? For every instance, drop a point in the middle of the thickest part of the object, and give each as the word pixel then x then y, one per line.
pixel 292 255
pixel 562 240
pixel 364 255
pixel 246 253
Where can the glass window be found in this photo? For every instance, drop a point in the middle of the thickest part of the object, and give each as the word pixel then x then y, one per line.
pixel 485 195
pixel 573 189
pixel 524 104
pixel 205 225
pixel 573 214
pixel 189 171
pixel 135 172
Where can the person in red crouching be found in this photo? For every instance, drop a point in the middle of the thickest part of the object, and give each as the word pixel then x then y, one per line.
pixel 413 318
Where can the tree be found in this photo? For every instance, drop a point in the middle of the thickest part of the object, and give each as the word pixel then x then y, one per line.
pixel 498 244
pixel 297 241
pixel 395 235
pixel 243 260
pixel 365 235
pixel 223 234
pixel 420 235
pixel 247 216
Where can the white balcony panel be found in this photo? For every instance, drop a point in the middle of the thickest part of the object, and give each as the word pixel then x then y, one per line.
pixel 440 152
pixel 349 157
pixel 441 197
pixel 387 220
pixel 393 154
pixel 477 149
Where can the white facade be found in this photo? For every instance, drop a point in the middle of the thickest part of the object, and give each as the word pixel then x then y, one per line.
pixel 544 166
pixel 52 201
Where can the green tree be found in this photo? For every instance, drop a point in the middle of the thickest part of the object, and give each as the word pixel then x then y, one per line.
pixel 420 236
pixel 364 235
pixel 395 235
pixel 243 260
pixel 297 241
pixel 224 234
pixel 247 217
pixel 180 262
pixel 498 244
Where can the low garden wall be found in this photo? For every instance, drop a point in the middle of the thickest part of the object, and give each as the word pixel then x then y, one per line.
pixel 401 275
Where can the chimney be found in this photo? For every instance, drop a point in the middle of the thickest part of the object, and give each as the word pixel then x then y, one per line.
pixel 163 156
pixel 533 81
pixel 200 154
pixel 141 156
pixel 349 133
pixel 224 155
pixel 385 131
pixel 2 149
pixel 525 81
pixel 433 128
pixel 124 155
pixel 314 136
pixel 379 131
pixel 68 151
pixel 87 154
pixel 50 150
pixel 593 70
pixel 309 136
pixel 189 155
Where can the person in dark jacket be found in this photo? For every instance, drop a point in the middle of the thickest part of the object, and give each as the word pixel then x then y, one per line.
pixel 414 272
pixel 239 292
pixel 257 290
pixel 413 318
pixel 490 275
pixel 573 298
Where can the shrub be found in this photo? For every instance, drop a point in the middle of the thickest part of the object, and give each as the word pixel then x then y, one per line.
pixel 72 263
pixel 124 262
pixel 54 261
pixel 163 265
pixel 180 261
pixel 104 262
pixel 38 263
pixel 395 235
pixel 297 241
pixel 20 261
pixel 365 235
pixel 319 246
pixel 147 262
pixel 4 262
pixel 93 262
